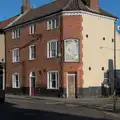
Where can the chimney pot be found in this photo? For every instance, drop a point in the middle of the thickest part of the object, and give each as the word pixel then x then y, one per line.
pixel 25 6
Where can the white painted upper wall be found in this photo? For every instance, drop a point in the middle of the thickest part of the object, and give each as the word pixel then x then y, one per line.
pixel 2 47
pixel 117 50
pixel 93 56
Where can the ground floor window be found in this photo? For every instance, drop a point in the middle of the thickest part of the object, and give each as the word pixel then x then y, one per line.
pixel 52 80
pixel 16 80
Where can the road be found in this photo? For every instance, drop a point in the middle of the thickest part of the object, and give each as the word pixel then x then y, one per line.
pixel 19 109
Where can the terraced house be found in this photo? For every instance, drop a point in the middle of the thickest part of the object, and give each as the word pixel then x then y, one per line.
pixel 3 24
pixel 55 50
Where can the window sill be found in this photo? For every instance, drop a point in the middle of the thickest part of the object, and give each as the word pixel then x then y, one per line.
pixel 53 57
pixel 32 59
pixel 31 34
pixel 16 88
pixel 15 38
pixel 15 62
pixel 52 88
pixel 52 29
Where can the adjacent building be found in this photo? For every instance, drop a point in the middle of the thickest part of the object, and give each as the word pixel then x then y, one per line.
pixel 59 49
pixel 3 24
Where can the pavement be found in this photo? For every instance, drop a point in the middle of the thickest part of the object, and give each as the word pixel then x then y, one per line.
pixel 104 104
pixel 18 108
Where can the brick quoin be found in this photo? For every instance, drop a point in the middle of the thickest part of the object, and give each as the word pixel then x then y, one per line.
pixel 72 28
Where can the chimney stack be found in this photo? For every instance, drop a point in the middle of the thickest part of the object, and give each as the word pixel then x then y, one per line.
pixel 94 4
pixel 25 6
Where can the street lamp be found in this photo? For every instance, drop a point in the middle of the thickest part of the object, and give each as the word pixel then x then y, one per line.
pixel 114 95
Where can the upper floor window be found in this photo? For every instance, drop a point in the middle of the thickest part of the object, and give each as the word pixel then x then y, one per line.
pixel 52 49
pixel 52 80
pixel 32 52
pixel 15 55
pixel 32 29
pixel 51 24
pixel 15 80
pixel 16 33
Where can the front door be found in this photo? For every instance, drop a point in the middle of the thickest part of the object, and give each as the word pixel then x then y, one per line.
pixel 71 85
pixel 32 86
pixel 1 78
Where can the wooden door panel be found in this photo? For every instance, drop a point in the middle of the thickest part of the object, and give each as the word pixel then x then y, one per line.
pixel 71 85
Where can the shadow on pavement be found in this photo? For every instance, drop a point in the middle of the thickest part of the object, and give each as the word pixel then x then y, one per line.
pixel 9 111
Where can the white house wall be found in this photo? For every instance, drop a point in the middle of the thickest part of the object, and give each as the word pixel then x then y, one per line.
pixel 2 47
pixel 117 50
pixel 93 56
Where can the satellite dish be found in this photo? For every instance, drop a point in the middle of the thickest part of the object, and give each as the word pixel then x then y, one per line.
pixel 34 6
pixel 118 27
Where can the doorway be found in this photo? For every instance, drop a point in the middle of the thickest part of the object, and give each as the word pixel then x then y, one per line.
pixel 71 85
pixel 2 77
pixel 32 83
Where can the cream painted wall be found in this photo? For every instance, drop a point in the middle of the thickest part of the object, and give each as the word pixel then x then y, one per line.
pixel 2 47
pixel 93 56
pixel 117 50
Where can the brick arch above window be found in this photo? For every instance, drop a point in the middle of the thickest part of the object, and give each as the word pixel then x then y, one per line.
pixel 32 74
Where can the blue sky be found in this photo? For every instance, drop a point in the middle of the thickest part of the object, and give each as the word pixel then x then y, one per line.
pixel 10 8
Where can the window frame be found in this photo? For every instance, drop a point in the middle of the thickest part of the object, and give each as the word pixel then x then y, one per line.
pixel 14 85
pixel 30 52
pixel 49 85
pixel 52 24
pixel 16 33
pixel 32 29
pixel 14 58
pixel 49 51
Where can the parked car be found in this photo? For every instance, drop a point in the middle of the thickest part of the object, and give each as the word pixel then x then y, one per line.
pixel 2 95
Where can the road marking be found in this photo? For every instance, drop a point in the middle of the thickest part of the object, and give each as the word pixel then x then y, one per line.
pixel 53 103
pixel 112 114
pixel 71 105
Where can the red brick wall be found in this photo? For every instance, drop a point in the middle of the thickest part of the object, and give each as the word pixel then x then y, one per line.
pixel 94 4
pixel 26 66
pixel 72 28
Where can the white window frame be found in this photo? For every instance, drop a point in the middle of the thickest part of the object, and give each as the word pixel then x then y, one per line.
pixel 14 84
pixel 15 57
pixel 49 49
pixel 52 24
pixel 30 52
pixel 32 29
pixel 49 82
pixel 16 33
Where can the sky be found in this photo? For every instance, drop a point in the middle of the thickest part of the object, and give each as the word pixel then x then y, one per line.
pixel 10 8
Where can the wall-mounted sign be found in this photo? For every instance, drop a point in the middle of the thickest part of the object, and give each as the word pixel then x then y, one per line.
pixel 71 50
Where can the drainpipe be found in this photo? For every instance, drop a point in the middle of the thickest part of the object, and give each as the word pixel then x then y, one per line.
pixel 3 78
pixel 61 56
pixel 114 107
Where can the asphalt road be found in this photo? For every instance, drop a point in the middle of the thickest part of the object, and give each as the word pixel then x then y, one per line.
pixel 19 109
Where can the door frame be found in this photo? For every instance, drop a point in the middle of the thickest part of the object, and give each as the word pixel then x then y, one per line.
pixel 30 84
pixel 3 79
pixel 67 74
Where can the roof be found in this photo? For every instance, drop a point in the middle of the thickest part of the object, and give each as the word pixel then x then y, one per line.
pixel 4 23
pixel 57 6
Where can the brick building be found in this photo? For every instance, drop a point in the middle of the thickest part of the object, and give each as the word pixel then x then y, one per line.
pixel 3 24
pixel 39 58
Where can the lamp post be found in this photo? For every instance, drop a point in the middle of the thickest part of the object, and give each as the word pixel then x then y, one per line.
pixel 114 107
pixel 114 78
